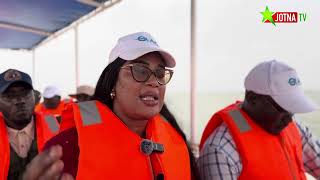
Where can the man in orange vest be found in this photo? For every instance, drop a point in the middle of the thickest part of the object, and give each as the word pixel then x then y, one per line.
pixel 259 137
pixel 52 103
pixel 37 96
pixel 84 93
pixel 23 133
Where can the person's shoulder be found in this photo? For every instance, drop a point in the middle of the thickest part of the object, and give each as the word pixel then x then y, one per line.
pixel 38 107
pixel 221 144
pixel 304 130
pixel 220 137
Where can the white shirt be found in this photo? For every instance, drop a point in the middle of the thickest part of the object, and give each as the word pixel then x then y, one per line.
pixel 21 140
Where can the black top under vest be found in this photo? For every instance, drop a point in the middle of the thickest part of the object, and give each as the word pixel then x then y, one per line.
pixel 18 164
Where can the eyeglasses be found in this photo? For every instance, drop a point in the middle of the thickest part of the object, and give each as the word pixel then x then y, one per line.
pixel 142 73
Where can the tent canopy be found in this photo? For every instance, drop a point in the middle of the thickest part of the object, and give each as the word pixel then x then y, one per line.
pixel 25 24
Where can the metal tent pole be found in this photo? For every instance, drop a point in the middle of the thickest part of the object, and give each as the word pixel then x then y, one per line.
pixel 193 73
pixel 76 51
pixel 33 67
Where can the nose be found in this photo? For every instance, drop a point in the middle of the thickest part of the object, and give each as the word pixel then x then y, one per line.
pixel 152 81
pixel 19 100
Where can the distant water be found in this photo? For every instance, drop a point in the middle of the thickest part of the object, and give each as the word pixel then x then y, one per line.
pixel 209 103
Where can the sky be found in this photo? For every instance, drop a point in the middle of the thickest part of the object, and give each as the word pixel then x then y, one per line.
pixel 230 40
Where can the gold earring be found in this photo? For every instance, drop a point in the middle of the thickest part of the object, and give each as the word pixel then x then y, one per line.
pixel 112 94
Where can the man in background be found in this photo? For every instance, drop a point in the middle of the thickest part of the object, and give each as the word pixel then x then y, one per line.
pixel 83 93
pixel 23 132
pixel 52 103
pixel 37 96
pixel 259 138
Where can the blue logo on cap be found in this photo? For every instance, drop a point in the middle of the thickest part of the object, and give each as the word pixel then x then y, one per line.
pixel 294 81
pixel 143 38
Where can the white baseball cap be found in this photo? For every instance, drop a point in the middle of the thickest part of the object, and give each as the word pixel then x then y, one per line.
pixel 282 83
pixel 51 91
pixel 133 46
pixel 84 89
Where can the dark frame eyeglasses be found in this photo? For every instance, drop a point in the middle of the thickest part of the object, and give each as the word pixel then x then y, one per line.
pixel 142 73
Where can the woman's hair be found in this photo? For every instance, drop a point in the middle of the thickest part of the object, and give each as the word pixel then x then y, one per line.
pixel 106 83
pixel 173 122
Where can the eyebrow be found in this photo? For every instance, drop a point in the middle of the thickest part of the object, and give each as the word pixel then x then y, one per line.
pixel 139 61
pixel 144 62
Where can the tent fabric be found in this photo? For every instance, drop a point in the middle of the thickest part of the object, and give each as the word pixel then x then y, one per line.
pixel 46 16
pixel 10 39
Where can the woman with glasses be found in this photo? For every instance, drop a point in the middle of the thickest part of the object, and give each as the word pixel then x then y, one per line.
pixel 127 132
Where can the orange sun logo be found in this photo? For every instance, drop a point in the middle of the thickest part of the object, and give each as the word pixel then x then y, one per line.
pixel 12 75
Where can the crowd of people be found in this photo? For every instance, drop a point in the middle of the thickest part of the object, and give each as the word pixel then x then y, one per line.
pixel 122 128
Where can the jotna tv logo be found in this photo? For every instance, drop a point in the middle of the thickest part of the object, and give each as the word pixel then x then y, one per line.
pixel 282 17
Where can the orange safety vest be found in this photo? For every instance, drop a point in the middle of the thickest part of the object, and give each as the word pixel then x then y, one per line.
pixel 46 127
pixel 110 150
pixel 56 111
pixel 263 155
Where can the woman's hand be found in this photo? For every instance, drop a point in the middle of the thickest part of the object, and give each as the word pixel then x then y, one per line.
pixel 47 166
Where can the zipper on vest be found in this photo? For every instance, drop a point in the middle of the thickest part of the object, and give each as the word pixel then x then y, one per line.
pixel 288 158
pixel 159 175
pixel 150 166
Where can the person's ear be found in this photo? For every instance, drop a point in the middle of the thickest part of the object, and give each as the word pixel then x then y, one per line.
pixel 113 94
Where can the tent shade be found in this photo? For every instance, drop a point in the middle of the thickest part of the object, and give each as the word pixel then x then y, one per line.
pixel 11 39
pixel 24 24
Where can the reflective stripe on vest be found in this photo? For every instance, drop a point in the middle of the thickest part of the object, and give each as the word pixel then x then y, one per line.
pixel 52 123
pixel 112 151
pixel 264 156
pixel 239 120
pixel 89 113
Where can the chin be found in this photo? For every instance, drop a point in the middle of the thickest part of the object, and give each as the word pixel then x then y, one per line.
pixel 152 110
pixel 23 122
pixel 24 116
pixel 149 115
pixel 145 112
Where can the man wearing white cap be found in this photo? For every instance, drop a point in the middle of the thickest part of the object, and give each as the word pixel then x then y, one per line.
pixel 52 103
pixel 84 93
pixel 259 138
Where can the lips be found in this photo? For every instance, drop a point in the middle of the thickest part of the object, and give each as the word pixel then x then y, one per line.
pixel 149 98
pixel 22 110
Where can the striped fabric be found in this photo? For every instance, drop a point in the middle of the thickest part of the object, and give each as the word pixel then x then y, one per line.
pixel 219 158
